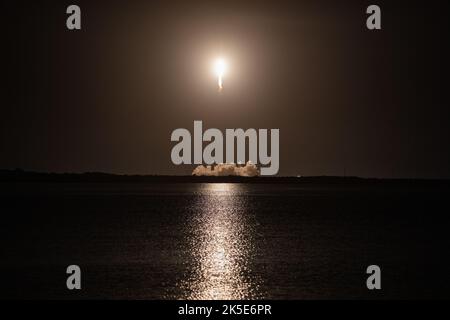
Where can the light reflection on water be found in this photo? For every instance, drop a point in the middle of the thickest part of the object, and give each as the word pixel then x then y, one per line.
pixel 221 246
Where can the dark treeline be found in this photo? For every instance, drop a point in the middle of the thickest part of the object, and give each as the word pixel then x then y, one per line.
pixel 19 175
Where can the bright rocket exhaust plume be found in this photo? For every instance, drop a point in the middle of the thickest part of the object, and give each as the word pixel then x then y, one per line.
pixel 219 69
pixel 227 169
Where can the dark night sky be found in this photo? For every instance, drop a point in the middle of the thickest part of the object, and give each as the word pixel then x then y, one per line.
pixel 107 98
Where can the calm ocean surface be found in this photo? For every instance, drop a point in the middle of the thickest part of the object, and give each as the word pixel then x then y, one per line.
pixel 223 241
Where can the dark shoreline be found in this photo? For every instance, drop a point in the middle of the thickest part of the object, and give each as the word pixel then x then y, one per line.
pixel 100 177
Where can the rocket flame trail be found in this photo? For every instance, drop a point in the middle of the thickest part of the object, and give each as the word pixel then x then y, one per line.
pixel 220 84
pixel 219 68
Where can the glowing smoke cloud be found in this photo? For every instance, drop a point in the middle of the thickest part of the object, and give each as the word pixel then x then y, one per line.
pixel 227 169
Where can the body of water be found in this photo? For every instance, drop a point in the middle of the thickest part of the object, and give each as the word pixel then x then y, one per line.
pixel 223 241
